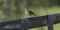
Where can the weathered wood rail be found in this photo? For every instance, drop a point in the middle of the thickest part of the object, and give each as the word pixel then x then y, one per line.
pixel 31 22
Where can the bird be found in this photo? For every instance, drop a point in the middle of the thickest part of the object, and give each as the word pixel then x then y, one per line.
pixel 29 12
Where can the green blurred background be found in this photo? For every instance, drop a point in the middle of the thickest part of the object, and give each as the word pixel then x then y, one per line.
pixel 14 9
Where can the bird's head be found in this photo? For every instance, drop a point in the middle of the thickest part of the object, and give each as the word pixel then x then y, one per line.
pixel 26 9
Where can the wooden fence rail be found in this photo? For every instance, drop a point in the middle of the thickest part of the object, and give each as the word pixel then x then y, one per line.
pixel 28 23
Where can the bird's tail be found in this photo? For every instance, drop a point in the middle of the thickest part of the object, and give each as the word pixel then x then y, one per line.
pixel 34 14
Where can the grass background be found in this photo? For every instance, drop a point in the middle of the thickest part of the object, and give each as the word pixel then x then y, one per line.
pixel 41 11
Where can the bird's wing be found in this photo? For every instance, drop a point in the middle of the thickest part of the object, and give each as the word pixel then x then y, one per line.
pixel 31 12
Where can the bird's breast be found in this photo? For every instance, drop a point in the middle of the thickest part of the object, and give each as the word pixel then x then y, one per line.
pixel 26 12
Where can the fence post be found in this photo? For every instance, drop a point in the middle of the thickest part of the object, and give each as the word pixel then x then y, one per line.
pixel 50 19
pixel 24 24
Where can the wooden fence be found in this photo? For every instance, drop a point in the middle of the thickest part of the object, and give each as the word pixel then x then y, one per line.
pixel 28 23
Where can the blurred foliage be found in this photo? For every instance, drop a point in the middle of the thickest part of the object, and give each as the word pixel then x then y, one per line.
pixel 14 9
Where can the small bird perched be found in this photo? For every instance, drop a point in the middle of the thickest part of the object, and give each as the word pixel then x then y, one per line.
pixel 29 12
